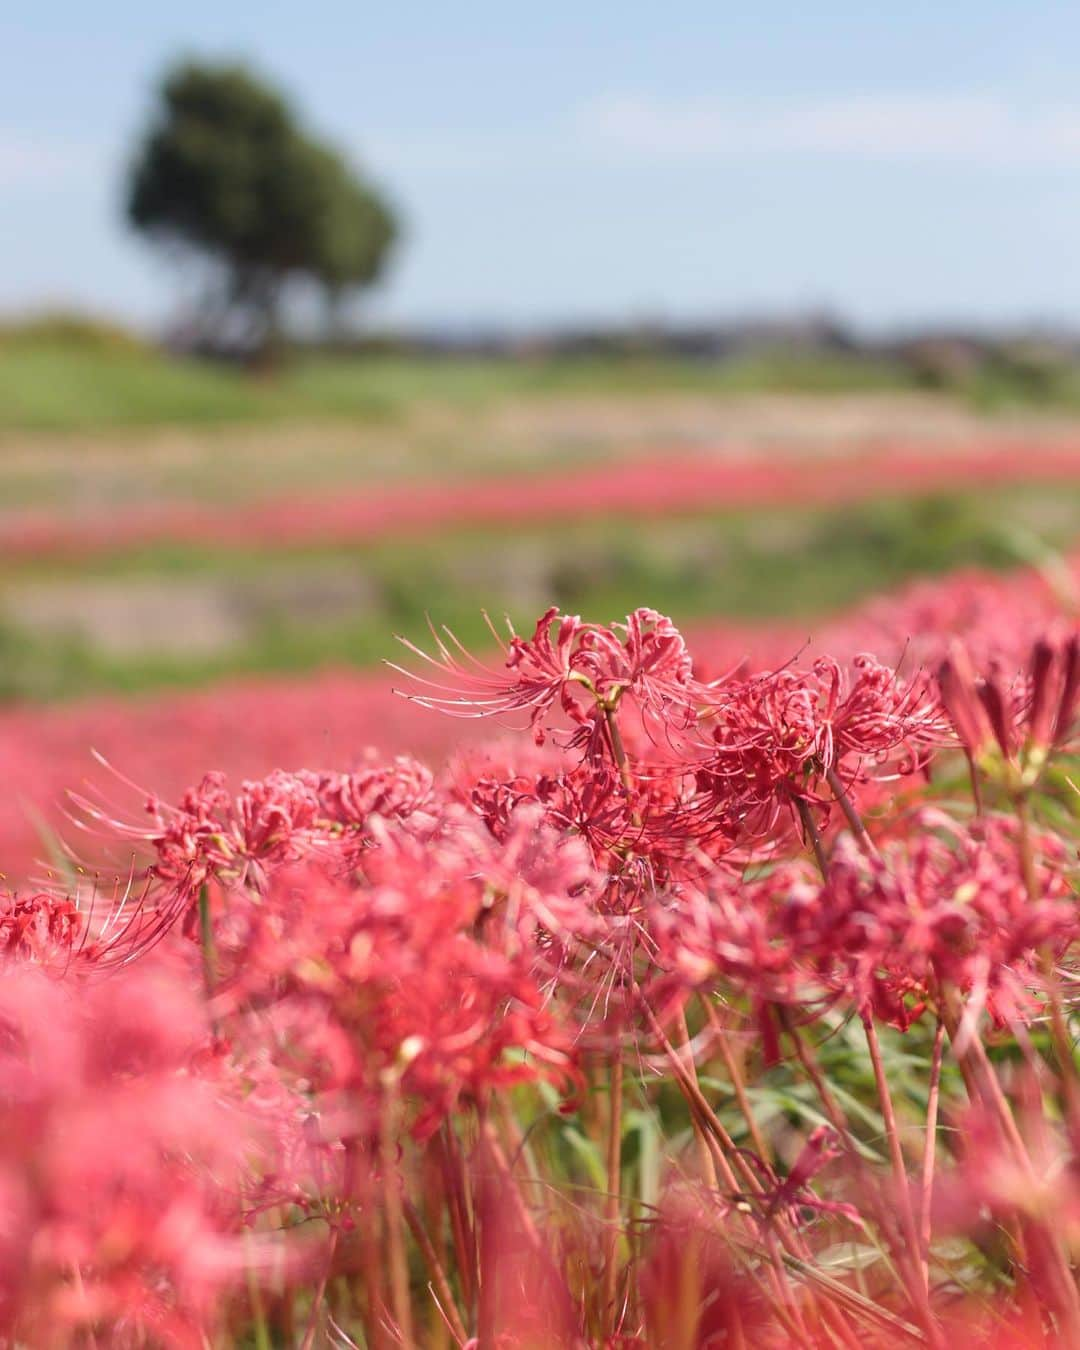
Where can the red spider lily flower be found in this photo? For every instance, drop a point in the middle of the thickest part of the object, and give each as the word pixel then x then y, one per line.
pixel 943 905
pixel 409 992
pixel 210 837
pixel 84 932
pixel 214 839
pixel 546 880
pixel 42 929
pixel 583 668
pixel 1055 690
pixel 876 713
pixel 542 671
pixel 744 934
pixel 651 813
pixel 651 662
pixel 118 1167
pixel 393 791
pixel 1025 718
pixel 776 737
pixel 960 695
pixel 589 802
pixel 792 1193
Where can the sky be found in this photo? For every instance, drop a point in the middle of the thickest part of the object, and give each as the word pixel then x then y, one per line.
pixel 594 162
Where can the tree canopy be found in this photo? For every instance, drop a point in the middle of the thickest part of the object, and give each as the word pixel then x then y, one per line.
pixel 226 172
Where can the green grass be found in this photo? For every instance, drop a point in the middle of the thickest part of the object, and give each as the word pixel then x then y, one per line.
pixel 71 374
pixel 51 387
pixel 771 565
pixel 1000 386
pixel 51 383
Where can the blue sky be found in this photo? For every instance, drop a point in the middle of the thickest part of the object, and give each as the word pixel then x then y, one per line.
pixel 896 164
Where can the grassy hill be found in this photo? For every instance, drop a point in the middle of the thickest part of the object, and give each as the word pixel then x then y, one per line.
pixel 63 374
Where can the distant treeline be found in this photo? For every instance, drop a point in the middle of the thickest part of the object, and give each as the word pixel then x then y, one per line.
pixel 1028 362
pixel 931 357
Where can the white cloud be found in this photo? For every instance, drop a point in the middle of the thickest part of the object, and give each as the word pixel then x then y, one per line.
pixel 964 128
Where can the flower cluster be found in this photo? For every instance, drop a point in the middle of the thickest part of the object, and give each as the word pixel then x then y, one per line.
pixel 117 1163
pixel 693 1015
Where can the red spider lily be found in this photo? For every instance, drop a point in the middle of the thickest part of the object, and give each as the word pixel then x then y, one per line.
pixel 399 975
pixel 945 906
pixel 776 738
pixel 650 812
pixel 1055 689
pixel 43 929
pixel 86 931
pixel 651 662
pixel 215 838
pixel 1026 719
pixel 793 1193
pixel 246 727
pixel 583 668
pixel 875 713
pixel 740 933
pixel 545 881
pixel 942 905
pixel 405 990
pixel 115 1163
pixel 542 671
pixel 394 791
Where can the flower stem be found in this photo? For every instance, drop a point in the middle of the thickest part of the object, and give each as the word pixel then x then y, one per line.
pixel 612 1205
pixel 206 941
pixel 1059 1029
pixel 892 1135
pixel 811 832
pixel 400 1299
pixel 704 1155
pixel 854 820
pixel 447 1304
pixel 737 1083
pixel 618 750
pixel 835 1115
pixel 930 1149
pixel 320 1293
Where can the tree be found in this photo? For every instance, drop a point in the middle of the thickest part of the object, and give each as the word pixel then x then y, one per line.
pixel 226 174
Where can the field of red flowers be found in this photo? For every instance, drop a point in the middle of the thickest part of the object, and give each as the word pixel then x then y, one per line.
pixel 653 486
pixel 726 998
pixel 246 727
